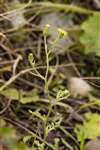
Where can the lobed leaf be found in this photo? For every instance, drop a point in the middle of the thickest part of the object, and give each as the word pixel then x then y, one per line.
pixel 91 36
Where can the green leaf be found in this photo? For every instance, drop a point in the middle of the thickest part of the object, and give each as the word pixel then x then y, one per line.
pixel 31 60
pixel 20 146
pixel 29 97
pixel 27 138
pixel 38 115
pixel 94 100
pixel 25 100
pixel 10 93
pixel 7 133
pixel 90 128
pixel 21 96
pixel 62 94
pixel 91 36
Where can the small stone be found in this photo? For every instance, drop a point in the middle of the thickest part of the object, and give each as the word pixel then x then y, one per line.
pixel 93 145
pixel 78 87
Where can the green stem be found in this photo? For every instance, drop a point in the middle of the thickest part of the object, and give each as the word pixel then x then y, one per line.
pixel 82 144
pixel 47 64
pixel 46 86
pixel 64 7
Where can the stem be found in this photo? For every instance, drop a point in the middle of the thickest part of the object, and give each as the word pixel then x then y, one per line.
pixel 64 7
pixel 47 118
pixel 46 87
pixel 18 123
pixel 47 63
pixel 82 145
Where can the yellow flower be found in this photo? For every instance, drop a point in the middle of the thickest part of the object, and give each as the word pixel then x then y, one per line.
pixel 46 30
pixel 62 32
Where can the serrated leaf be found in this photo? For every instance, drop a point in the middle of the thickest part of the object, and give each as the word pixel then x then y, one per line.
pixel 91 36
pixel 27 138
pixel 31 60
pixel 90 128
